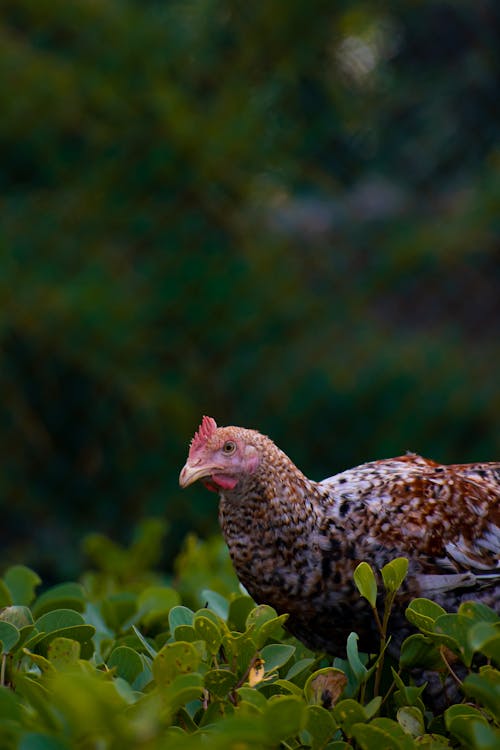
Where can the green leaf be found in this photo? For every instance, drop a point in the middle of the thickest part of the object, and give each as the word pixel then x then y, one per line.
pixel 63 623
pixel 373 707
pixel 42 663
pixel 10 705
pixel 321 726
pixel 285 717
pixel 419 651
pixel 373 737
pixel 126 662
pixel 276 656
pixel 347 713
pixel 9 636
pixel 299 670
pixel 154 604
pixel 145 643
pixel 80 633
pixel 216 710
pixel 219 682
pixel 63 653
pixel 217 603
pixel 394 573
pixel 453 631
pixel 38 741
pixel 358 668
pixel 484 687
pixel 485 637
pixel 174 659
pixel 411 720
pixel 366 583
pixel 240 650
pixel 21 582
pixel 207 631
pixel 118 610
pixel 63 596
pixel 32 639
pixel 239 610
pixel 478 612
pixel 182 690
pixel 470 727
pixel 185 633
pixel 179 615
pixel 57 619
pixel 270 630
pixel 5 595
pixel 461 709
pixel 253 697
pixel 287 687
pixel 423 613
pixel 259 615
pixel 39 698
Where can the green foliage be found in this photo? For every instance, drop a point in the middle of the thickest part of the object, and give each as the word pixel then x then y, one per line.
pixel 143 669
pixel 278 213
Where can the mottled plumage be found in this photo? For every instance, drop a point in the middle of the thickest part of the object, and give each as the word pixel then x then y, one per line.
pixel 295 542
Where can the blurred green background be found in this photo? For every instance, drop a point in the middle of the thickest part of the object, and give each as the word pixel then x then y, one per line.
pixel 285 215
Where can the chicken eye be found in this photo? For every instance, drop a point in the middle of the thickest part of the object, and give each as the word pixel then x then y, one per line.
pixel 229 447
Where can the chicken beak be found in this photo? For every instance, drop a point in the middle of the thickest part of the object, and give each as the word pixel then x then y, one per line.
pixel 190 474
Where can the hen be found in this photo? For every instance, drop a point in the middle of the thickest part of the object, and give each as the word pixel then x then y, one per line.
pixel 295 542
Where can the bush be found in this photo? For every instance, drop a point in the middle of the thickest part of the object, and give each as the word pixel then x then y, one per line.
pixel 120 661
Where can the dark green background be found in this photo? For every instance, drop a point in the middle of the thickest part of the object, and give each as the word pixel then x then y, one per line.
pixel 281 214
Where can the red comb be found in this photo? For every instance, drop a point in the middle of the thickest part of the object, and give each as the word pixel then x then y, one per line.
pixel 205 430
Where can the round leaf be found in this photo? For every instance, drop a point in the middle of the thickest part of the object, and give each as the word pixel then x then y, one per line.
pixel 239 610
pixel 485 637
pixel 219 682
pixel 19 616
pixel 320 725
pixel 10 705
pixel 276 655
pixel 9 636
pixel 63 652
pixel 394 573
pixel 126 662
pixel 325 686
pixel 209 632
pixel 365 581
pixel 419 651
pixel 57 619
pixel 347 713
pixel 216 603
pixel 63 596
pixel 174 659
pixel 80 633
pixel 411 720
pixel 423 613
pixel 179 615
pixel 370 737
pixel 155 603
pixel 285 717
pixel 21 582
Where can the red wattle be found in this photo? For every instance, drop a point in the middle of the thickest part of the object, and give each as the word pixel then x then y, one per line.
pixel 209 485
pixel 224 481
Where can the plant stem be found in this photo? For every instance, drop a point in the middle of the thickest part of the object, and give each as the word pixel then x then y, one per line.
pixel 382 626
pixel 457 679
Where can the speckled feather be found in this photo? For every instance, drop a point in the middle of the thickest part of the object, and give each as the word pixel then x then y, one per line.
pixel 295 542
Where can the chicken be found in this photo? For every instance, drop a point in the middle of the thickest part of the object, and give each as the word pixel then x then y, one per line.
pixel 295 542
